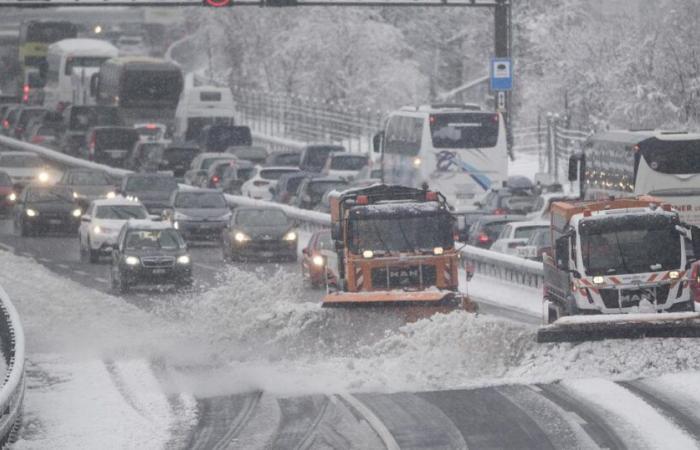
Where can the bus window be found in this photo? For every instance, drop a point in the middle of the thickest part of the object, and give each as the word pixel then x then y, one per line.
pixel 460 130
pixel 673 157
pixel 83 61
pixel 403 135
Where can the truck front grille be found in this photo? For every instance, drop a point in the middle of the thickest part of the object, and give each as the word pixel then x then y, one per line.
pixel 404 277
pixel 158 262
pixel 631 297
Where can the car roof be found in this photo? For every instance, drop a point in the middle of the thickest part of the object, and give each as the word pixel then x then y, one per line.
pixel 18 153
pixel 199 191
pixel 325 178
pixel 502 218
pixel 532 223
pixel 290 169
pixel 149 175
pixel 144 224
pixel 116 201
pixel 258 208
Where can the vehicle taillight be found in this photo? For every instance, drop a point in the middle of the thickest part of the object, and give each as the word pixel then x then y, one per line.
pixel 260 183
pixel 500 211
pixel 495 118
pixel 25 89
pixel 6 124
pixel 215 179
pixel 37 139
pixel 484 238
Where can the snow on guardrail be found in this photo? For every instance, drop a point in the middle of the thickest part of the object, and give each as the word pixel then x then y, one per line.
pixel 12 389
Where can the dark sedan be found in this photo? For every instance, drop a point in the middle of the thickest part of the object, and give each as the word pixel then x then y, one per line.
pixel 7 193
pixel 88 185
pixel 151 189
pixel 43 208
pixel 152 253
pixel 260 233
pixel 198 214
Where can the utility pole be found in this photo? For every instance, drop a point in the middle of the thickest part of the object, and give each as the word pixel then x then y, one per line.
pixel 502 49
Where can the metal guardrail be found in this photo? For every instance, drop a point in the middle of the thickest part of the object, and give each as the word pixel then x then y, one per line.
pixel 13 386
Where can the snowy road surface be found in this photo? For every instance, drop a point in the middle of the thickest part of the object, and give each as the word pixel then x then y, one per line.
pixel 248 359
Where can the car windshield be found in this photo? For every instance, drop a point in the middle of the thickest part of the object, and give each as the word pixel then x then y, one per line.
pixel 50 194
pixel 156 183
pixel 274 174
pixel 526 232
pixel 493 229
pixel 154 239
pixel 318 188
pixel 206 164
pixel 261 217
pixel 287 159
pixel 349 162
pixel 406 234
pixel 178 155
pixel 200 200
pixel 121 212
pixel 89 179
pixel 20 161
pixel 630 244
pixel 316 156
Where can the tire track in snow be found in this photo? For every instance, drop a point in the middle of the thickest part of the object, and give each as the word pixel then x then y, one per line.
pixel 221 419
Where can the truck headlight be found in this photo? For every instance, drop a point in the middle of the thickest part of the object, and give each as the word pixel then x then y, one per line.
pixel 183 259
pixel 368 254
pixel 43 177
pixel 241 237
pixel 317 260
pixel 131 260
pixel 77 212
pixel 96 229
pixel 438 251
pixel 674 275
pixel 417 162
pixel 31 213
pixel 111 194
pixel 13 197
pixel 176 225
pixel 291 236
pixel 598 279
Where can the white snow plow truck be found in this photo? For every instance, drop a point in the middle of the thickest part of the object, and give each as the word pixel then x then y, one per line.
pixel 619 269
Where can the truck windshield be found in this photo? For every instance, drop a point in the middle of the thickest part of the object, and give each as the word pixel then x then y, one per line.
pixel 400 234
pixel 630 244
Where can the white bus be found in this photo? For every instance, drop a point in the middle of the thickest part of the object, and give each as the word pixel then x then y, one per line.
pixel 71 57
pixel 658 163
pixel 458 150
pixel 200 106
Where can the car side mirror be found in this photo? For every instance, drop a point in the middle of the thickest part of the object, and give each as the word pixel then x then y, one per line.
pixel 377 141
pixel 478 204
pixel 86 219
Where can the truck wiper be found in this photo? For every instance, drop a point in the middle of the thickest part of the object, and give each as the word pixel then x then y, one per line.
pixel 622 256
pixel 405 239
pixel 379 236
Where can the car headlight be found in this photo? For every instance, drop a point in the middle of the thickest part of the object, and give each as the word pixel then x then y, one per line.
pixel 31 213
pixel 96 229
pixel 598 279
pixel 176 225
pixel 417 162
pixel 369 254
pixel 241 237
pixel 43 177
pixel 132 260
pixel 111 194
pixel 291 236
pixel 183 259
pixel 13 197
pixel 77 212
pixel 438 251
pixel 76 195
pixel 318 260
pixel 674 275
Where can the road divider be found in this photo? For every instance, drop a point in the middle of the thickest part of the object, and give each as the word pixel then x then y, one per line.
pixel 13 385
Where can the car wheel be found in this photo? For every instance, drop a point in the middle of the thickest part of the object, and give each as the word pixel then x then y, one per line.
pixel 94 255
pixel 83 256
pixel 24 230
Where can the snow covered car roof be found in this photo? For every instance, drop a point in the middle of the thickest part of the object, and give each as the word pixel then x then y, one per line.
pixel 117 201
pixel 144 224
pixel 84 47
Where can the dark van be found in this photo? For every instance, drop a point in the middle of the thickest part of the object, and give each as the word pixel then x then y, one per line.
pixel 217 138
pixel 313 157
pixel 110 145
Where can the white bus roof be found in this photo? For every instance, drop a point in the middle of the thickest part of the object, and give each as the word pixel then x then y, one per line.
pixel 443 107
pixel 84 47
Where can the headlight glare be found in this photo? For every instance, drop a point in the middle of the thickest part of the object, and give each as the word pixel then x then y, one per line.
pixel 674 275
pixel 77 212
pixel 131 260
pixel 317 260
pixel 176 225
pixel 75 194
pixel 111 194
pixel 31 213
pixel 96 229
pixel 241 237
pixel 438 251
pixel 598 279
pixel 13 197
pixel 368 254
pixel 183 259
pixel 43 177
pixel 291 236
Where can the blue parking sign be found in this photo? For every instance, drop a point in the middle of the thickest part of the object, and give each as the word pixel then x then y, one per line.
pixel 501 74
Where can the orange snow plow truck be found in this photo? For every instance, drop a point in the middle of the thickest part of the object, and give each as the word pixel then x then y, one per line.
pixel 619 269
pixel 393 245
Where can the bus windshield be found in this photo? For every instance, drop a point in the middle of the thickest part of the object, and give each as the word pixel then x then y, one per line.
pixel 83 61
pixel 630 244
pixel 464 130
pixel 151 86
pixel 672 157
pixel 49 32
pixel 404 234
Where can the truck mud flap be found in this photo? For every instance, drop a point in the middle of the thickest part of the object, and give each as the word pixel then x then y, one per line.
pixel 621 326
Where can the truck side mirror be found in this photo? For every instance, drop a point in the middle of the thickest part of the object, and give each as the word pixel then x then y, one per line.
pixel 573 168
pixel 94 84
pixel 377 141
pixel 562 253
pixel 335 232
pixel 695 232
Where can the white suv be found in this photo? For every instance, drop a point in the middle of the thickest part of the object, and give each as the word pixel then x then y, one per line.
pixel 100 225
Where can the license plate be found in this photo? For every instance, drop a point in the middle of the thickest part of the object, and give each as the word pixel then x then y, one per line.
pixel 158 271
pixel 55 221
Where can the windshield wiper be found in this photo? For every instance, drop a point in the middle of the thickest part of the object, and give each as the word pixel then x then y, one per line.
pixel 379 236
pixel 405 239
pixel 622 257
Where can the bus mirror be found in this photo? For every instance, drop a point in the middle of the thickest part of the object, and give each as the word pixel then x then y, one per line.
pixel 573 168
pixel 377 142
pixel 94 84
pixel 562 253
pixel 695 232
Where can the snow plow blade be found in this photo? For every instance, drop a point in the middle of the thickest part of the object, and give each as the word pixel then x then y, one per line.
pixel 621 326
pixel 382 298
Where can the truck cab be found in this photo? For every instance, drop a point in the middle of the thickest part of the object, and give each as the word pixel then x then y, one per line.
pixel 627 255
